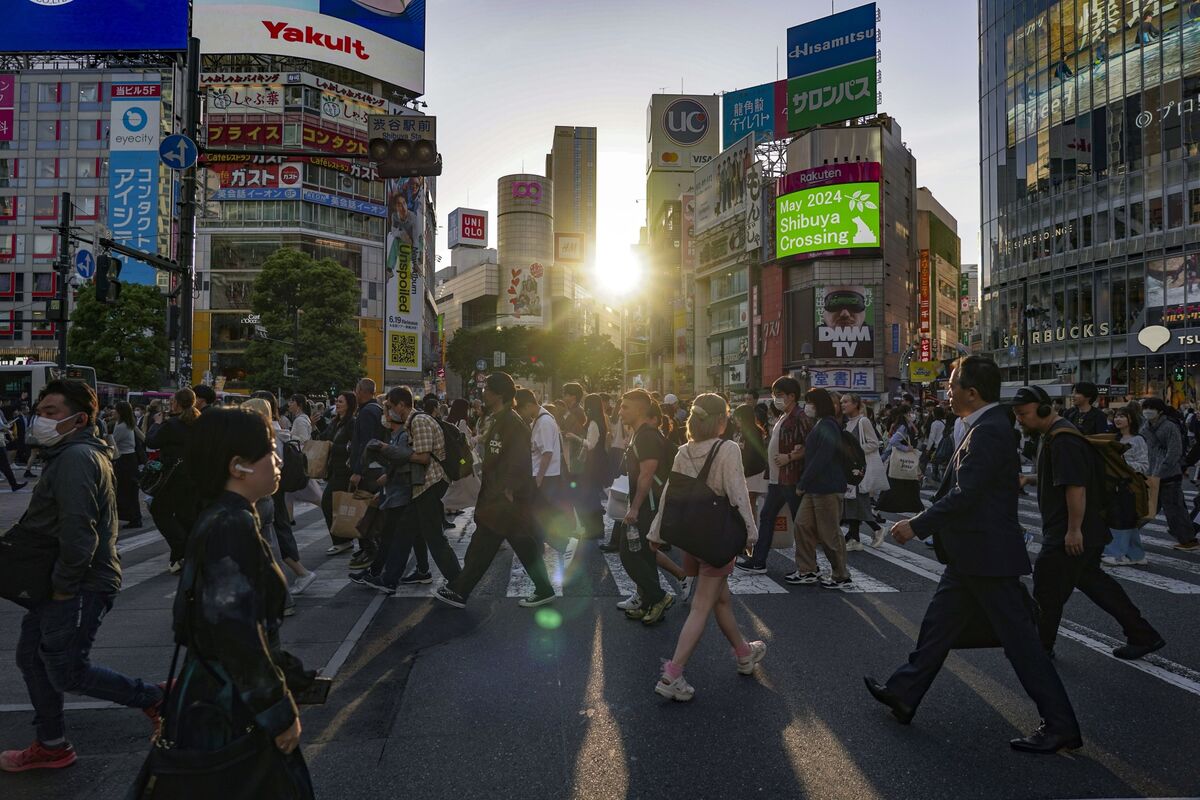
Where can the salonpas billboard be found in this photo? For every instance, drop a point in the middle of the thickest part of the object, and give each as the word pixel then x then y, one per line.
pixel 836 212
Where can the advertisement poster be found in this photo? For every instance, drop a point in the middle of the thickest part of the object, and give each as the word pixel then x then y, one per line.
pixel 759 110
pixel 94 26
pixel 832 41
pixel 837 94
pixel 682 132
pixel 721 185
pixel 525 293
pixel 754 215
pixel 405 254
pixel 8 97
pixel 687 237
pixel 134 126
pixel 829 220
pixel 845 322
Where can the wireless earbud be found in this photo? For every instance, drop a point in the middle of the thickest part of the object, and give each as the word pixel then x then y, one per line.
pixel 243 468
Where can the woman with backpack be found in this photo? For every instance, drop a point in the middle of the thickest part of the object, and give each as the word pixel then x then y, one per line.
pixel 858 509
pixel 726 478
pixel 1126 547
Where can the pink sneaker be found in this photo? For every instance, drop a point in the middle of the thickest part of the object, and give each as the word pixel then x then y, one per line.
pixel 37 756
pixel 758 651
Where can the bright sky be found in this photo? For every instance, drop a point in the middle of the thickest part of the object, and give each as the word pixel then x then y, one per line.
pixel 501 75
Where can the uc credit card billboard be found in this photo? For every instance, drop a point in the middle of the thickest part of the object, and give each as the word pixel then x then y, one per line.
pixel 830 210
pixel 93 26
pixel 384 39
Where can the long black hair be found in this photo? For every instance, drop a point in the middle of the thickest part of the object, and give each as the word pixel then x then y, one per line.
pixel 217 438
pixel 593 407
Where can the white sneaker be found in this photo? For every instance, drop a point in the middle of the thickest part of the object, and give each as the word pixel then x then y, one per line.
pixel 1116 561
pixel 678 689
pixel 686 587
pixel 631 603
pixel 1139 562
pixel 175 567
pixel 854 544
pixel 338 549
pixel 303 582
pixel 758 651
pixel 878 537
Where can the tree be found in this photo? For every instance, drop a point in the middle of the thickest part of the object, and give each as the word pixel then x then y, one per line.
pixel 538 354
pixel 126 342
pixel 593 360
pixel 308 308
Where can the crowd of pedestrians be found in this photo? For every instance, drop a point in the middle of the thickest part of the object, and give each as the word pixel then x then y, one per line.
pixel 541 474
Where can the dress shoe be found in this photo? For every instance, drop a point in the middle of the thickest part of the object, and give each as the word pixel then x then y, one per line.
pixel 1046 743
pixel 1132 652
pixel 900 710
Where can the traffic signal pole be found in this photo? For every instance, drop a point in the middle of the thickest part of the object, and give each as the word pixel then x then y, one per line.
pixel 187 219
pixel 64 273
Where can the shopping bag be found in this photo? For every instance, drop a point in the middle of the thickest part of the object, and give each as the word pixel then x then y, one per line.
pixel 318 457
pixel 618 499
pixel 348 509
pixel 1152 484
pixel 784 538
pixel 463 493
pixel 904 466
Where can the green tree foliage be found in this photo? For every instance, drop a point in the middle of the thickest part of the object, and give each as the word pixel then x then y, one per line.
pixel 593 361
pixel 126 342
pixel 538 354
pixel 321 299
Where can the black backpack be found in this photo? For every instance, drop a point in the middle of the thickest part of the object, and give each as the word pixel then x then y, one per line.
pixel 754 454
pixel 293 476
pixel 459 462
pixel 854 460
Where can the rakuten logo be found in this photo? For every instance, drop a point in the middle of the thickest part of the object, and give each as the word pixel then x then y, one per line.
pixel 309 35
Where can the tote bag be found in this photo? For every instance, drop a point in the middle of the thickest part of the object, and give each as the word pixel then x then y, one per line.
pixel 348 509
pixel 317 452
pixel 904 466
pixel 699 521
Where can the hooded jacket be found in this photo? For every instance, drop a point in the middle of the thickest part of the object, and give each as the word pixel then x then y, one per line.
pixel 75 503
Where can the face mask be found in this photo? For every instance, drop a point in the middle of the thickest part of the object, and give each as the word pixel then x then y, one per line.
pixel 1150 414
pixel 394 416
pixel 44 431
pixel 778 403
pixel 810 411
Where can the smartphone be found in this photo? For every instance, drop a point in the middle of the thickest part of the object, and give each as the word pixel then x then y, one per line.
pixel 315 694
pixel 1027 469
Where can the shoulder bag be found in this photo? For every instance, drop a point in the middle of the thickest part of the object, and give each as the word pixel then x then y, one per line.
pixel 904 466
pixel 700 521
pixel 26 567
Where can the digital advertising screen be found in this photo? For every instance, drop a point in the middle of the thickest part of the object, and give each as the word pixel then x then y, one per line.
pixel 827 220
pixel 93 26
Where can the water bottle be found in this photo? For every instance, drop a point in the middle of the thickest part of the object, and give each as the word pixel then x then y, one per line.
pixel 633 538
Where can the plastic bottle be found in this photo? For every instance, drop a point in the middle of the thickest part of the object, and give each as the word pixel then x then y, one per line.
pixel 634 537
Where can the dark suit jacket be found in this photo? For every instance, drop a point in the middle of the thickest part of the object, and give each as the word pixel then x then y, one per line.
pixel 973 519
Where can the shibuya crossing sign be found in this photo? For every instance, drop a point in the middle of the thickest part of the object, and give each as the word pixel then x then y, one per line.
pixel 827 219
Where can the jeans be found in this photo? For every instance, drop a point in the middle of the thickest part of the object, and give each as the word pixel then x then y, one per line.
pixel 482 551
pixel 419 521
pixel 52 654
pixel 1170 499
pixel 1126 543
pixel 778 494
pixel 1056 575
pixel 283 528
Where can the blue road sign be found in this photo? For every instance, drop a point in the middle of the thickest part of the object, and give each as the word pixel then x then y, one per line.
pixel 85 263
pixel 1012 350
pixel 178 151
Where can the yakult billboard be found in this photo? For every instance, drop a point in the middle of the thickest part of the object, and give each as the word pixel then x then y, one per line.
pixel 384 39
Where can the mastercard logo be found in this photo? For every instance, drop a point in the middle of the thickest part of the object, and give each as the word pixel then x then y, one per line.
pixel 670 158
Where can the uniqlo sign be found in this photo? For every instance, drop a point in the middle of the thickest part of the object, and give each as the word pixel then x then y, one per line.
pixel 468 228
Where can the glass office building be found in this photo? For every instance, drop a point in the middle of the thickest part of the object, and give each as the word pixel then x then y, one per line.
pixel 1090 159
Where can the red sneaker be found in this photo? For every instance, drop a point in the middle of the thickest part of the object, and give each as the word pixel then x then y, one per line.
pixel 154 713
pixel 37 756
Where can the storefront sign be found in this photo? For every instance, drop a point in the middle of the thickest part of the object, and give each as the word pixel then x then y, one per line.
pixel 8 94
pixel 245 134
pixel 1061 334
pixel 845 380
pixel 924 294
pixel 924 371
pixel 133 170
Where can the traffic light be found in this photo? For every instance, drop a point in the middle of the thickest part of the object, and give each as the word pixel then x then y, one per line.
pixel 289 366
pixel 1179 374
pixel 404 158
pixel 108 271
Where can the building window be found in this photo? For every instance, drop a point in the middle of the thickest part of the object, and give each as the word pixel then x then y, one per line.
pixel 44 245
pixel 86 208
pixel 8 251
pixel 45 207
pixel 8 208
pixel 89 93
pixel 49 93
pixel 45 284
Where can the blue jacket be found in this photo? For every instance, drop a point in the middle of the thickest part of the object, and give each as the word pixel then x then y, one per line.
pixel 973 519
pixel 823 470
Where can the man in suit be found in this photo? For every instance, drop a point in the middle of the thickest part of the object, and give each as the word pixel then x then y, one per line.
pixel 973 522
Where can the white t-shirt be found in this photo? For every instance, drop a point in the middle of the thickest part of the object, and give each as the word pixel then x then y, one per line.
pixel 545 438
pixel 937 429
pixel 772 451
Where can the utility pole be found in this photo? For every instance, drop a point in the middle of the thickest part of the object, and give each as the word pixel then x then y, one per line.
pixel 64 273
pixel 187 217
pixel 1025 330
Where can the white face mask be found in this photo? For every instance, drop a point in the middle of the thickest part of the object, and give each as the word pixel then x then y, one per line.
pixel 394 416
pixel 810 411
pixel 1150 414
pixel 44 431
pixel 779 403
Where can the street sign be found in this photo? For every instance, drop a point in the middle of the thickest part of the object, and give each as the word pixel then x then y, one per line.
pixel 85 263
pixel 481 365
pixel 499 359
pixel 178 152
pixel 1012 350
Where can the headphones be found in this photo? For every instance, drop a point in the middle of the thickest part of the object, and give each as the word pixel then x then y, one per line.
pixel 1044 410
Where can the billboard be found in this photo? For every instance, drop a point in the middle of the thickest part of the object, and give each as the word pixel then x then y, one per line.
pixel 681 132
pixel 94 26
pixel 467 228
pixel 721 185
pixel 232 175
pixel 754 215
pixel 845 317
pixel 830 217
pixel 569 248
pixel 405 294
pixel 831 41
pixel 384 39
pixel 760 110
pixel 837 94
pixel 924 295
pixel 134 128
pixel 8 103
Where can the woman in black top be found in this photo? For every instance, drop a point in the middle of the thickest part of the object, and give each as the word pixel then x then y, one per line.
pixel 174 507
pixel 595 468
pixel 236 677
pixel 339 431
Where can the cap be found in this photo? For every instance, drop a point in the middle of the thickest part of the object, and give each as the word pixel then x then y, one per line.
pixel 1030 394
pixel 670 400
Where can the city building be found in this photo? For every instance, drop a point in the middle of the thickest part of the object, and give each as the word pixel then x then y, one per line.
pixel 1090 194
pixel 968 320
pixel 938 277
pixel 838 304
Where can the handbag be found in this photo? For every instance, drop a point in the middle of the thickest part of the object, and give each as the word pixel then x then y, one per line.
pixel 26 566
pixel 317 451
pixel 698 520
pixel 349 508
pixel 904 466
pixel 617 505
pixel 155 476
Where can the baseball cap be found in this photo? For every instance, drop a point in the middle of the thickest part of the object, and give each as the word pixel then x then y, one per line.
pixel 1030 394
pixel 670 400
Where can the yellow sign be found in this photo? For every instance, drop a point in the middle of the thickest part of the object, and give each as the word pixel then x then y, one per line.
pixel 402 350
pixel 924 371
pixel 404 279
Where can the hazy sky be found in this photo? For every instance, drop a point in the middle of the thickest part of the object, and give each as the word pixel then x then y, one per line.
pixel 501 75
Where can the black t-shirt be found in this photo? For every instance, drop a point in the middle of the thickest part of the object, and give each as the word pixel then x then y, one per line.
pixel 1090 424
pixel 649 444
pixel 1068 460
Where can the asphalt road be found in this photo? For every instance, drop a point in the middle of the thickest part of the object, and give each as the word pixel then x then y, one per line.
pixel 498 701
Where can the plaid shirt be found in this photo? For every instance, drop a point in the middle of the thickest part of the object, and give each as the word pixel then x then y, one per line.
pixel 793 430
pixel 426 436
